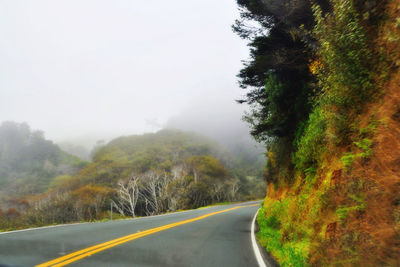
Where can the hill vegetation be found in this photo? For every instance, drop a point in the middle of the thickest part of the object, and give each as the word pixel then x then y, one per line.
pixel 29 162
pixel 139 175
pixel 323 84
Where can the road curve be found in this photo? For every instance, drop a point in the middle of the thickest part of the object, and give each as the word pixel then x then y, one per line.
pixel 214 236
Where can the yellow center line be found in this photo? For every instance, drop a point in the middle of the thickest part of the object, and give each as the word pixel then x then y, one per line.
pixel 80 254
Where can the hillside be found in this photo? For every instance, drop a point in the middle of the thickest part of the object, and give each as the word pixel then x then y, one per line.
pixel 29 162
pixel 324 85
pixel 162 152
pixel 141 175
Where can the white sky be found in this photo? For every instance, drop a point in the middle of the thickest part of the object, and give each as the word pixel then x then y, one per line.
pixel 108 67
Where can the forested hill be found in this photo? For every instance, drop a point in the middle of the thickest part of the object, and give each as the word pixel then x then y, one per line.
pixel 168 148
pixel 322 82
pixel 29 162
pixel 141 175
pixel 162 152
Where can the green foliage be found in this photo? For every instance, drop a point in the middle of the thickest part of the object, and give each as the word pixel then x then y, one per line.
pixel 310 175
pixel 345 54
pixel 348 159
pixel 279 168
pixel 356 200
pixel 163 151
pixel 279 110
pixel 272 222
pixel 270 236
pixel 60 181
pixel 345 74
pixel 365 145
pixel 347 66
pixel 342 212
pixel 311 144
pixel 277 72
pixel 71 160
pixel 141 153
pixel 29 162
pixel 370 129
pixel 208 166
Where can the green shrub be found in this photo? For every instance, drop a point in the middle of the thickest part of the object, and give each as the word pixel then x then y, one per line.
pixel 366 145
pixel 270 236
pixel 348 159
pixel 343 211
pixel 347 66
pixel 345 74
pixel 346 57
pixel 272 221
pixel 311 144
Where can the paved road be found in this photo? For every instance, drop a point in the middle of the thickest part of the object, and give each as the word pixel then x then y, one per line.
pixel 221 239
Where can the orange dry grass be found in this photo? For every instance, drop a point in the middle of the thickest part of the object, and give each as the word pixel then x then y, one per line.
pixel 382 174
pixel 276 194
pixel 369 236
pixel 381 221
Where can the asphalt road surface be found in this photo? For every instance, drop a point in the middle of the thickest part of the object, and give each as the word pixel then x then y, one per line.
pixel 214 236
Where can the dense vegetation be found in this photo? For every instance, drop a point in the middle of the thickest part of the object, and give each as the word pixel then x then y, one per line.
pixel 140 175
pixel 323 86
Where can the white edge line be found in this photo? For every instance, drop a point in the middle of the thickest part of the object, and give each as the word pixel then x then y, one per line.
pixel 42 227
pixel 256 249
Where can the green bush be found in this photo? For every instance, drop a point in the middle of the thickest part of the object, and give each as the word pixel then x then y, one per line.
pixel 345 77
pixel 270 236
pixel 347 66
pixel 348 159
pixel 272 221
pixel 343 211
pixel 311 144
pixel 366 145
pixel 346 57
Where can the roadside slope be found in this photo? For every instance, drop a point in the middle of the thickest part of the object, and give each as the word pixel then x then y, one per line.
pixel 342 205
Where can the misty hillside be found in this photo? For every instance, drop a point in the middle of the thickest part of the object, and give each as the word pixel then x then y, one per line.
pixel 222 121
pixel 141 153
pixel 163 151
pixel 29 161
pixel 166 171
pixel 74 149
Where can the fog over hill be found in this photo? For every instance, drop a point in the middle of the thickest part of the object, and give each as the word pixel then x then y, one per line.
pixel 127 70
pixel 222 121
pixel 217 117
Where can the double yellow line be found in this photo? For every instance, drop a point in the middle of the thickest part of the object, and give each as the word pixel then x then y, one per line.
pixel 80 254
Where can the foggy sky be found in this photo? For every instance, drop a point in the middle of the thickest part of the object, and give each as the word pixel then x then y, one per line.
pixel 103 68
